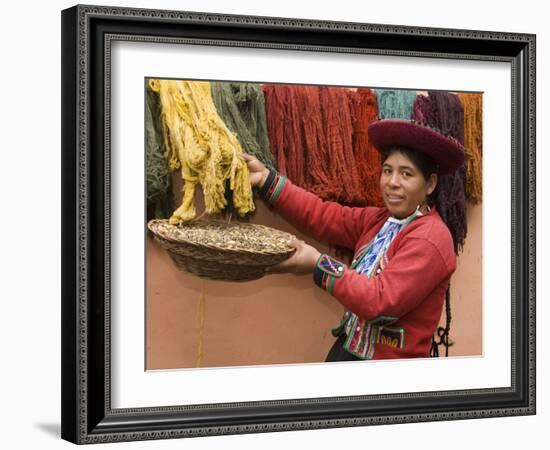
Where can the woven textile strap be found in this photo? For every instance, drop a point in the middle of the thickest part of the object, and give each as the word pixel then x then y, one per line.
pixel 272 187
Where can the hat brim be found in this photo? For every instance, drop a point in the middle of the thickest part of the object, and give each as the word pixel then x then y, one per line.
pixel 447 152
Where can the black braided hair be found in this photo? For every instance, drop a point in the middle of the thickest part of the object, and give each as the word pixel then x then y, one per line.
pixel 443 333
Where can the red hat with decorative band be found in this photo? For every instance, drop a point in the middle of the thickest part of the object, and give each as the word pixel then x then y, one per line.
pixel 445 150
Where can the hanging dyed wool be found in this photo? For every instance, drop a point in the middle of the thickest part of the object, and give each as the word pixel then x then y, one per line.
pixel 422 104
pixel 354 103
pixel 202 147
pixel 339 132
pixel 242 107
pixel 317 178
pixel 444 111
pixel 274 113
pixel 367 158
pixel 395 103
pixel 311 136
pixel 473 128
pixel 159 186
pixel 283 126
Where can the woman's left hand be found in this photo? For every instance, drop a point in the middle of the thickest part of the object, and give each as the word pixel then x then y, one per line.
pixel 302 262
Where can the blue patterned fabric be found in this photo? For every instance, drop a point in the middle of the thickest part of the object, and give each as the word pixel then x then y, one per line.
pixel 379 246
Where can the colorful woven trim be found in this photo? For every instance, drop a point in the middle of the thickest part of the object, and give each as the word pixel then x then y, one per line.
pixel 272 187
pixel 362 335
pixel 326 271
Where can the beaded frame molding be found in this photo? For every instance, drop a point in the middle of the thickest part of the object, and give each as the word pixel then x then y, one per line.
pixel 87 35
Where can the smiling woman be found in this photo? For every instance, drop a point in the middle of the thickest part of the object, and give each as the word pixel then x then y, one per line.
pixel 395 288
pixel 406 185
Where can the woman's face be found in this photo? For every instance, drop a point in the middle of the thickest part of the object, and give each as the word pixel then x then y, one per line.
pixel 403 185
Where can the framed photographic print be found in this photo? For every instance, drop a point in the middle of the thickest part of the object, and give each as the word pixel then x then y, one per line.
pixel 217 174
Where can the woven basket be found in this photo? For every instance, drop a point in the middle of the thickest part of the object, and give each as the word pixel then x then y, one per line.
pixel 218 255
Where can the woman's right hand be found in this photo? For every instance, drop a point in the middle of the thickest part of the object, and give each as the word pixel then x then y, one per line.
pixel 258 172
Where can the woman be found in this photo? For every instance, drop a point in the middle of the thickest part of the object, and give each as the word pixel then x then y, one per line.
pixel 394 289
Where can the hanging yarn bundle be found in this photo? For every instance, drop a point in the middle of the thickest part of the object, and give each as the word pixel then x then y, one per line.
pixel 367 157
pixel 422 106
pixel 473 140
pixel 275 112
pixel 283 125
pixel 395 103
pixel 337 119
pixel 317 177
pixel 203 148
pixel 444 111
pixel 159 185
pixel 315 125
pixel 354 103
pixel 242 108
pixel 297 136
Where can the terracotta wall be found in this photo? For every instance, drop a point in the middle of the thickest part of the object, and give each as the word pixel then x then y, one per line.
pixel 278 319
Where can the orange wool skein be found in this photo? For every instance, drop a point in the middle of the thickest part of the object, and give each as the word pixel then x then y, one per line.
pixel 473 142
pixel 311 132
pixel 339 131
pixel 317 177
pixel 294 145
pixel 366 156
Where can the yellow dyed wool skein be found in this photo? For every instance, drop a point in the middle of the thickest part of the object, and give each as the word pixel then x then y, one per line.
pixel 202 147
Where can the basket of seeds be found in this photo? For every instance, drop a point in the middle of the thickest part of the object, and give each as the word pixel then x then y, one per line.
pixel 218 250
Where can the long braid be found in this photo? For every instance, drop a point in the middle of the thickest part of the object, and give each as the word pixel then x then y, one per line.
pixel 443 333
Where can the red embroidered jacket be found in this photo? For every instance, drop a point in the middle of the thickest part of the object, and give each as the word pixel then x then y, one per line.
pixel 419 263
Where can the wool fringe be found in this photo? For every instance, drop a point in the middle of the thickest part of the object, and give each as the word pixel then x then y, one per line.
pixel 473 141
pixel 242 108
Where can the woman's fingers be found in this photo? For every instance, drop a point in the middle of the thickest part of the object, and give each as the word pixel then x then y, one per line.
pixel 290 264
pixel 296 243
pixel 286 264
pixel 283 267
pixel 258 172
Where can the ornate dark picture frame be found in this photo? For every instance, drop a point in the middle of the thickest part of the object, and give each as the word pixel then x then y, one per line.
pixel 87 34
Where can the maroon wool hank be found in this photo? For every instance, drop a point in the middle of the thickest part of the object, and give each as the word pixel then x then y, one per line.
pixel 275 103
pixel 444 111
pixel 284 110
